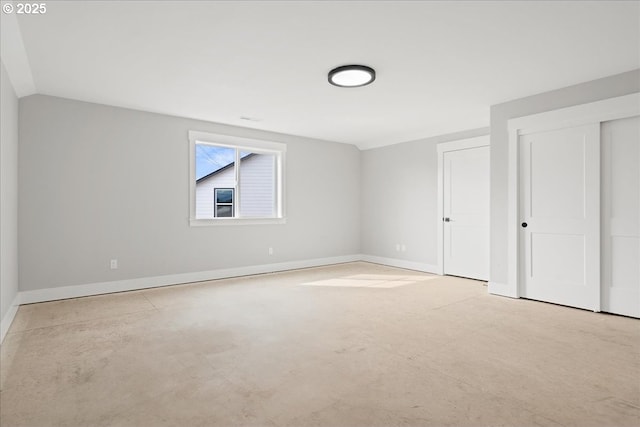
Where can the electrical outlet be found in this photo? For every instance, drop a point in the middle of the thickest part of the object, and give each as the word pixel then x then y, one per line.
pixel 397 247
pixel 270 251
pixel 403 248
pixel 114 264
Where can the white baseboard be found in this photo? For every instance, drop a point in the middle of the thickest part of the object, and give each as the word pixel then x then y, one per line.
pixel 502 289
pixel 65 292
pixel 400 263
pixel 6 321
pixel 76 291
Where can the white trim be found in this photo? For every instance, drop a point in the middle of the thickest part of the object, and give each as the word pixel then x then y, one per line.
pixel 501 289
pixel 65 292
pixel 99 288
pixel 594 112
pixel 513 234
pixel 235 221
pixel 14 56
pixel 463 144
pixel 5 324
pixel 238 142
pixel 444 147
pixel 400 263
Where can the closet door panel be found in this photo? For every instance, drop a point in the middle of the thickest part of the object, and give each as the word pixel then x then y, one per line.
pixel 621 216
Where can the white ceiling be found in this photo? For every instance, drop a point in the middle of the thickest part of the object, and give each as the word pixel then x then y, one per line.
pixel 440 65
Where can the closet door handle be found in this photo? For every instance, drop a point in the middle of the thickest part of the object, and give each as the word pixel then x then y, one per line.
pixel 524 225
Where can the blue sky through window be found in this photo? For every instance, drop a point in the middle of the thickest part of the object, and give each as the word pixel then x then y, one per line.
pixel 210 158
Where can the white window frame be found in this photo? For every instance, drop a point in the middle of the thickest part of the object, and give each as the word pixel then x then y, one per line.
pixel 277 149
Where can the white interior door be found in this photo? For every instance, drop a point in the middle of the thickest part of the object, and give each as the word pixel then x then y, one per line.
pixel 466 213
pixel 560 216
pixel 621 216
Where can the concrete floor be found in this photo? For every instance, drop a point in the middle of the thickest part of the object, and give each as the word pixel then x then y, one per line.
pixel 348 345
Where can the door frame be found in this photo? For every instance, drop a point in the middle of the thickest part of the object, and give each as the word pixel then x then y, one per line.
pixel 444 147
pixel 595 112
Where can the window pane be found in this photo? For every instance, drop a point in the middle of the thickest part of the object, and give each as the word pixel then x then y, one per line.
pixel 211 158
pixel 224 211
pixel 257 186
pixel 235 182
pixel 224 195
pixel 214 169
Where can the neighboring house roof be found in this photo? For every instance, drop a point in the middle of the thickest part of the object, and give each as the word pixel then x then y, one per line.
pixel 230 165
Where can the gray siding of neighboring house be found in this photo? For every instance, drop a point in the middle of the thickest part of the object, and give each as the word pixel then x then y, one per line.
pixel 204 191
pixel 257 186
pixel 257 190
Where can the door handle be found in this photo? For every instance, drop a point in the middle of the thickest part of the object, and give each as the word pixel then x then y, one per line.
pixel 524 225
pixel 446 219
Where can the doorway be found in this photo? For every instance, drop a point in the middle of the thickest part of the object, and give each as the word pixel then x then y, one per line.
pixel 463 174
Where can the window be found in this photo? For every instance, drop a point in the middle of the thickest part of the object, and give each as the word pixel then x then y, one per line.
pixel 235 180
pixel 223 200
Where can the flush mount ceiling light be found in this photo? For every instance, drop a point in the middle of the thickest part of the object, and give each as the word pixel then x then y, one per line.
pixel 352 76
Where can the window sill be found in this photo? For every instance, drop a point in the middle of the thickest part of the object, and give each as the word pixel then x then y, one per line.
pixel 235 221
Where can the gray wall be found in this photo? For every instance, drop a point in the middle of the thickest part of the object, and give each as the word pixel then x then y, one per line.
pixel 609 87
pixel 8 194
pixel 99 182
pixel 399 198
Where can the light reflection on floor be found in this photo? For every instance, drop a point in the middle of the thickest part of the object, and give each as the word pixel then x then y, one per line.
pixel 371 281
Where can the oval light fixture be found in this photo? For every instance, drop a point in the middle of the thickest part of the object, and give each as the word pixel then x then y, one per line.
pixel 352 76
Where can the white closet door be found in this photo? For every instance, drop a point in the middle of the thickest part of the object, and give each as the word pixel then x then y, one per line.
pixel 560 216
pixel 466 213
pixel 621 216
